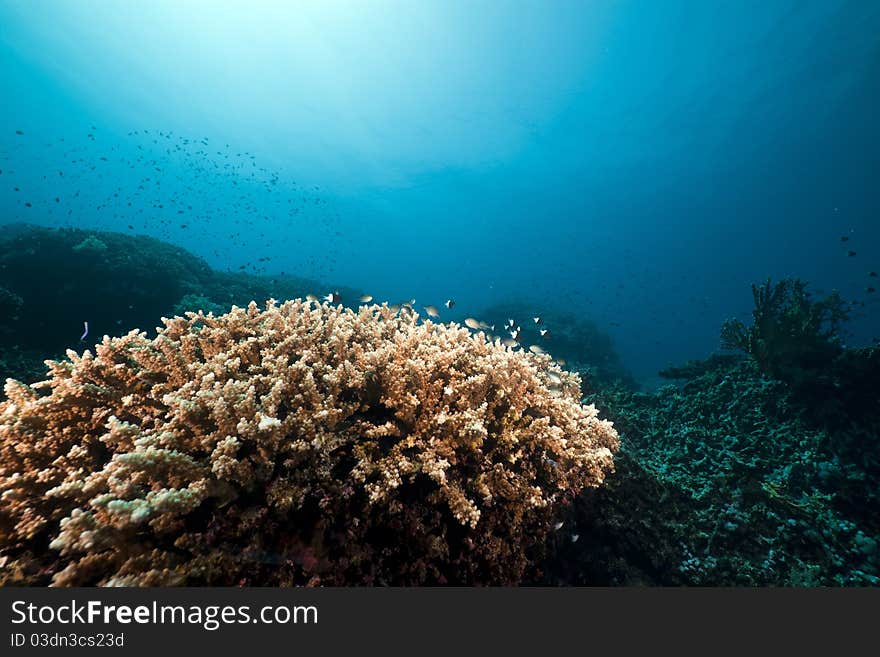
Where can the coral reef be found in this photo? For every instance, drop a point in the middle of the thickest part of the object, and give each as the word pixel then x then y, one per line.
pixel 10 304
pixel 113 281
pixel 791 333
pixel 729 481
pixel 695 368
pixel 797 340
pixel 302 444
pixel 62 278
pixel 576 339
pixel 309 444
pixel 758 470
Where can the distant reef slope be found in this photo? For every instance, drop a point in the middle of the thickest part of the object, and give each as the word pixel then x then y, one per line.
pixel 52 281
pixel 575 339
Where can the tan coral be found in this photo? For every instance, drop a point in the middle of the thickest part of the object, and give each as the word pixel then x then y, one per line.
pixel 304 443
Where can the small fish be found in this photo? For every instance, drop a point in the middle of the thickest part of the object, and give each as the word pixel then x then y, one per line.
pixel 575 537
pixel 535 349
pixel 365 298
pixel 560 361
pixel 395 308
pixel 537 320
pixel 333 297
pixel 311 297
pixel 449 304
pixel 844 238
pixel 870 290
pixel 85 332
pixel 516 334
pixel 470 322
pixel 555 379
pixel 850 253
pixel 545 333
pixel 510 342
pixel 487 327
pixel 872 274
pixel 510 322
pixel 432 311
pixel 557 526
pixel 19 132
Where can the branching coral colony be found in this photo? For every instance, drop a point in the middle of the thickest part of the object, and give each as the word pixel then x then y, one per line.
pixel 790 332
pixel 302 444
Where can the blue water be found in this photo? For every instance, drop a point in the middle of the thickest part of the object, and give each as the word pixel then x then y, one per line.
pixel 635 163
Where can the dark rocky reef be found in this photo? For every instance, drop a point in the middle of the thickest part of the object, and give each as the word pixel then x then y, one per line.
pixel 54 280
pixel 576 339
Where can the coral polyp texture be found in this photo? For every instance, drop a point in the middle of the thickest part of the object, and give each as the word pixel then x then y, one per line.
pixel 300 444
